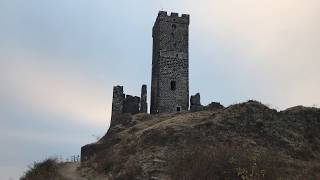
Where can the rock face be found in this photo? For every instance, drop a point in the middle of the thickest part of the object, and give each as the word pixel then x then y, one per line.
pixel 141 144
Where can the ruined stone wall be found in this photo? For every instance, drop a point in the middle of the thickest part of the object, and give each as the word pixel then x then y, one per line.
pixel 122 103
pixel 144 104
pixel 117 101
pixel 170 63
pixel 195 104
pixel 131 104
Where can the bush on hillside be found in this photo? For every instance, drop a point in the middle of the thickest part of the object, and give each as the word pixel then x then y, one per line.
pixel 47 169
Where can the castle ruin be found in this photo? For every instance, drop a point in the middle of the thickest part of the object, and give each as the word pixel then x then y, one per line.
pixel 169 81
pixel 122 103
pixel 170 70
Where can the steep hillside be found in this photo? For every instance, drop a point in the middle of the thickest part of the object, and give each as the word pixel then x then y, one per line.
pixel 243 141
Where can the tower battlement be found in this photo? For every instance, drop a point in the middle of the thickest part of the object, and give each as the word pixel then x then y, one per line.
pixel 172 14
pixel 173 17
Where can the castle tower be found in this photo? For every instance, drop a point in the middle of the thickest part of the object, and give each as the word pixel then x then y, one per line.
pixel 170 63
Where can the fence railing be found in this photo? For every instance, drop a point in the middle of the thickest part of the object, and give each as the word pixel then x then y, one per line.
pixel 74 158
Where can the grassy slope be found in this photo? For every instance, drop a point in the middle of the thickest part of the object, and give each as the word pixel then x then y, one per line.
pixel 151 146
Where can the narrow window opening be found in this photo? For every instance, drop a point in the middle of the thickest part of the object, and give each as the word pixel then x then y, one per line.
pixel 178 108
pixel 173 85
pixel 174 26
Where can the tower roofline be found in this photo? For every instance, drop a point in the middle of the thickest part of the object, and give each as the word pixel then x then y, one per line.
pixel 173 16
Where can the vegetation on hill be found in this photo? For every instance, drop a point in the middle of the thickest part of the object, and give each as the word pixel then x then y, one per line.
pixel 246 141
pixel 242 141
pixel 47 169
pixel 233 162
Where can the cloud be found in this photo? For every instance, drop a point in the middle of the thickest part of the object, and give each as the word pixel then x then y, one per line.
pixel 11 172
pixel 47 107
pixel 268 49
pixel 37 82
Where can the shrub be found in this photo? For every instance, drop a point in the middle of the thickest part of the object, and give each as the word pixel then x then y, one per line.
pixel 47 169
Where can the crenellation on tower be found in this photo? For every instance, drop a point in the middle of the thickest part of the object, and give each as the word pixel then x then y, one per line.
pixel 162 13
pixel 173 17
pixel 173 14
pixel 186 16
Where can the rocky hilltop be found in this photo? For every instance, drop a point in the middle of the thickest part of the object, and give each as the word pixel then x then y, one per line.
pixel 242 141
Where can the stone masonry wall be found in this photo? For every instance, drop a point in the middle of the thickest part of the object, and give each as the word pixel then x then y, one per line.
pixel 195 104
pixel 117 101
pixel 144 104
pixel 170 63
pixel 122 103
pixel 131 104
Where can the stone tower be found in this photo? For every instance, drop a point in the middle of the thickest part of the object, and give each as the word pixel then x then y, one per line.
pixel 170 63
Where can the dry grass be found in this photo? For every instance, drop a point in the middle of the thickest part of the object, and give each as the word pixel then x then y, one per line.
pixel 225 162
pixel 47 169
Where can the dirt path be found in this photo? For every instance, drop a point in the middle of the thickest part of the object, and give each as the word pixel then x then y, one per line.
pixel 69 171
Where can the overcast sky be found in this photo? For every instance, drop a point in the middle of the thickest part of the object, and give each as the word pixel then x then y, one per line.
pixel 59 60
